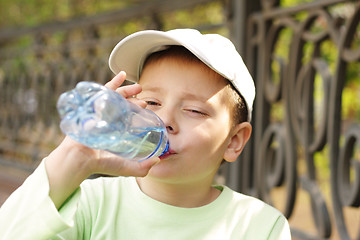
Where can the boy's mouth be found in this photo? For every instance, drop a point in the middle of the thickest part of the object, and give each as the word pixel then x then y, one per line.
pixel 167 154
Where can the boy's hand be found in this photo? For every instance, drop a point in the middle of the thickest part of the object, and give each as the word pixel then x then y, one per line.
pixel 71 162
pixel 128 91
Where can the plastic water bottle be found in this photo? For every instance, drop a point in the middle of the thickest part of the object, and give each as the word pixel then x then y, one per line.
pixel 100 118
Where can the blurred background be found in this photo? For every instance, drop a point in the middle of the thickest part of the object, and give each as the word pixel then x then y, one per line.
pixel 304 55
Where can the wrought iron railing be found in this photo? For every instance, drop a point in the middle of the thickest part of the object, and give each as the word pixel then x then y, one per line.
pixel 304 155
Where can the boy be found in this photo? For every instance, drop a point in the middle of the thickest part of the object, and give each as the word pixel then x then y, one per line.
pixel 199 86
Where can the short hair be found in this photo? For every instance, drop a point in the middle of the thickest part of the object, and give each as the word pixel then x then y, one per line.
pixel 238 105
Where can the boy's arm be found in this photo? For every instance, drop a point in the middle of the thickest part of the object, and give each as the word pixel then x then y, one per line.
pixel 29 213
pixel 71 162
pixel 30 208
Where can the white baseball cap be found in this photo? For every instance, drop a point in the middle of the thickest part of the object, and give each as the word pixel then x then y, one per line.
pixel 216 51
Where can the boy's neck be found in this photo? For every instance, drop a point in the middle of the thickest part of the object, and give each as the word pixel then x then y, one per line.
pixel 180 195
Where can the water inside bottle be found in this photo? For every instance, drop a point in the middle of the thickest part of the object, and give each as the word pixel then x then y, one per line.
pixel 147 141
pixel 137 144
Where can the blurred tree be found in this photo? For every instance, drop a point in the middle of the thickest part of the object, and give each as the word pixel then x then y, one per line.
pixel 32 12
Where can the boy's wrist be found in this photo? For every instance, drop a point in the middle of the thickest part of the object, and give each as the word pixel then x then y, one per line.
pixel 66 169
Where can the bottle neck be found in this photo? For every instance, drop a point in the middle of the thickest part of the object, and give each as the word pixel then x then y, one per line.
pixel 161 145
pixel 166 148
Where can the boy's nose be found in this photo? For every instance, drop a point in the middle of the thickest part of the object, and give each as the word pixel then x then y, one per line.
pixel 170 129
pixel 171 126
pixel 168 117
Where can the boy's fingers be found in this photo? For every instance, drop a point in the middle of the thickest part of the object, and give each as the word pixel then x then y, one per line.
pixel 146 165
pixel 121 167
pixel 125 91
pixel 129 90
pixel 116 81
pixel 138 102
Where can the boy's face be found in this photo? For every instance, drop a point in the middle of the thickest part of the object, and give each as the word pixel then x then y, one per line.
pixel 189 98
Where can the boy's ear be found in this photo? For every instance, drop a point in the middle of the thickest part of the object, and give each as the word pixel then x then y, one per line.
pixel 239 137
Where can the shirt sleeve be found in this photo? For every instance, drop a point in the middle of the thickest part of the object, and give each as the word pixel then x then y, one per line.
pixel 29 212
pixel 281 230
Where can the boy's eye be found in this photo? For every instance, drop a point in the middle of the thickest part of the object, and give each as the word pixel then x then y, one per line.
pixel 152 103
pixel 197 112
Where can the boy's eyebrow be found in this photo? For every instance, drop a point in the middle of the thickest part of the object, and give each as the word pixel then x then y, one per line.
pixel 198 97
pixel 188 95
pixel 151 89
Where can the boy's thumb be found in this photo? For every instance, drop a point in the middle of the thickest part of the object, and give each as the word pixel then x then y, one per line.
pixel 147 164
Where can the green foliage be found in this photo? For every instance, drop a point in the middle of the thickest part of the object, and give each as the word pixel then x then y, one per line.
pixel 321 162
pixel 206 14
pixel 291 3
pixel 32 12
pixel 351 101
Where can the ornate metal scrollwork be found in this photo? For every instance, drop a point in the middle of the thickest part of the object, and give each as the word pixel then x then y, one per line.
pixel 308 87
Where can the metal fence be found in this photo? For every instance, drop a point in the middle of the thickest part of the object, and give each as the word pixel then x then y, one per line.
pixel 304 155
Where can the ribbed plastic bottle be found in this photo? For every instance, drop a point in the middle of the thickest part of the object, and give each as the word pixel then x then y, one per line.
pixel 100 118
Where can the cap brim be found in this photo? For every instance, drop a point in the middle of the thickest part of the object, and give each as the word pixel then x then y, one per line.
pixel 130 55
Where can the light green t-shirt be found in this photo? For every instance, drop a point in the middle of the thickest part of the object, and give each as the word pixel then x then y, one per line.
pixel 116 208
